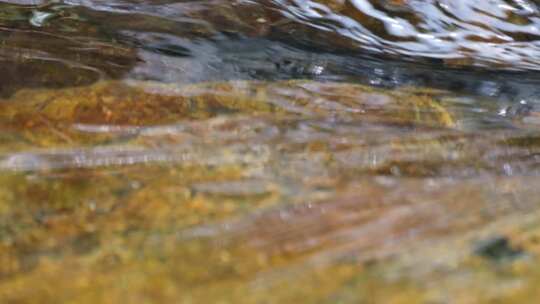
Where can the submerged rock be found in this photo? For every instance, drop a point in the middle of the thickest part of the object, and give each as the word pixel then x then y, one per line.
pixel 295 191
pixel 55 115
pixel 49 47
pixel 248 191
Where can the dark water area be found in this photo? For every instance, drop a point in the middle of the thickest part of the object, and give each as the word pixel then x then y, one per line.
pixel 191 41
pixel 269 151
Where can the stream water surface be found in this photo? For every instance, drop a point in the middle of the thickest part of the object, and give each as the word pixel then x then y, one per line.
pixel 269 151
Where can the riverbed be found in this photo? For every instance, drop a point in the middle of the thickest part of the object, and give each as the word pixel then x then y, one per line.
pixel 269 151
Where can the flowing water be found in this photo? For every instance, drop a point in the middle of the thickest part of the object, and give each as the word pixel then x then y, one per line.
pixel 269 151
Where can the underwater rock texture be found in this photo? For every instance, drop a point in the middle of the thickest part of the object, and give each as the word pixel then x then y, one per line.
pixel 245 192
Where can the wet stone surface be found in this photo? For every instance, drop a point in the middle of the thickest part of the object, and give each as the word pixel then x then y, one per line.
pixel 269 152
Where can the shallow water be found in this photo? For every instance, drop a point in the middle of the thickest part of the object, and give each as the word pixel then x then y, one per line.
pixel 269 151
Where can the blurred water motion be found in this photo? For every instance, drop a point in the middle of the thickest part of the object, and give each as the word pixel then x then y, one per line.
pixel 488 33
pixel 269 151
